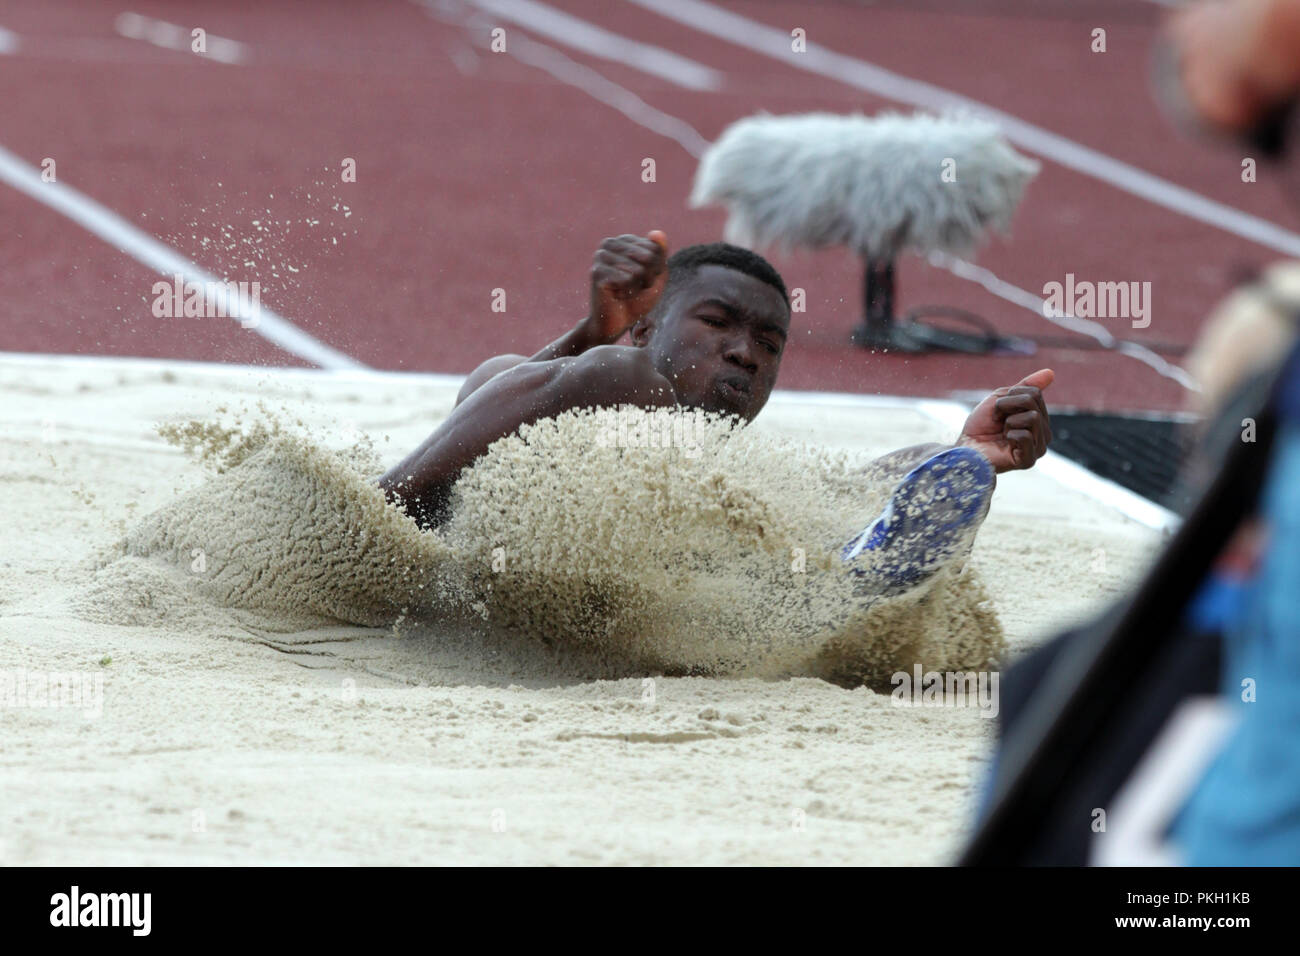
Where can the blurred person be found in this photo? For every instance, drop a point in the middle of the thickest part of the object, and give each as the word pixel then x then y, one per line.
pixel 1178 710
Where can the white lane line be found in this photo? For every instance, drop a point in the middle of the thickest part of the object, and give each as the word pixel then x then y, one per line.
pixel 1095 330
pixel 9 42
pixel 596 41
pixel 173 37
pixel 144 248
pixel 580 76
pixel 775 43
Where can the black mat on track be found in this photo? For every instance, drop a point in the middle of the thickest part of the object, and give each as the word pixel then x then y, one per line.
pixel 1141 453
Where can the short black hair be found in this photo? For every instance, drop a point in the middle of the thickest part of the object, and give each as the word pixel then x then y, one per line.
pixel 685 262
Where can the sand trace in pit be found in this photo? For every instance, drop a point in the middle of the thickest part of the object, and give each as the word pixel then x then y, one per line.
pixel 641 542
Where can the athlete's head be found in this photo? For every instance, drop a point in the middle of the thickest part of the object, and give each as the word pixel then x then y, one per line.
pixel 718 331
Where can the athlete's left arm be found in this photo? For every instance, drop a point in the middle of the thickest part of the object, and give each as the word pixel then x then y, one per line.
pixel 1010 428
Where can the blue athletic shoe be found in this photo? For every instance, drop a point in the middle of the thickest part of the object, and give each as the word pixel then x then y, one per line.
pixel 931 517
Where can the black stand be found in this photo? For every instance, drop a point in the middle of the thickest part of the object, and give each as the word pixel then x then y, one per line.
pixel 881 332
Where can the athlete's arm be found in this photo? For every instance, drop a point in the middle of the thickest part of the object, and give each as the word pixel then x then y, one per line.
pixel 608 375
pixel 1010 428
pixel 628 274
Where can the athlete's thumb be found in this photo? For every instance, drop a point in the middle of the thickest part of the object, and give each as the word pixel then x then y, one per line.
pixel 1040 379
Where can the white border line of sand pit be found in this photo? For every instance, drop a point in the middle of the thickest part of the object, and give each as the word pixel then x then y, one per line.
pixel 949 413
pixel 218 369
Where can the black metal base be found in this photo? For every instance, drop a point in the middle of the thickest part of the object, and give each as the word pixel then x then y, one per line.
pixel 882 332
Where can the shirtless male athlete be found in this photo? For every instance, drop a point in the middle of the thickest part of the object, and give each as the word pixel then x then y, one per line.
pixel 708 327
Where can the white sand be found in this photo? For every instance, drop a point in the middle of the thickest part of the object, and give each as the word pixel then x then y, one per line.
pixel 246 736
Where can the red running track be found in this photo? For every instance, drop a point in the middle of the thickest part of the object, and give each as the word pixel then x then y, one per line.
pixel 479 171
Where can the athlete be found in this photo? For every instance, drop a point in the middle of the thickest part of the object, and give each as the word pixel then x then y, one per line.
pixel 707 329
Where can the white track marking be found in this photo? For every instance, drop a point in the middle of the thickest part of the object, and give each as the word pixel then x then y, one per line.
pixel 173 37
pixel 9 42
pixel 611 94
pixel 144 248
pixel 596 41
pixel 1094 330
pixel 578 75
pixel 775 43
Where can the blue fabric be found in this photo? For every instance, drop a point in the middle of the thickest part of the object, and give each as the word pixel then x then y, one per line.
pixel 1217 604
pixel 1288 390
pixel 1246 810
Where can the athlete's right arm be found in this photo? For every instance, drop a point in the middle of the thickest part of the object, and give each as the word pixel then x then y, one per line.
pixel 628 274
pixel 604 376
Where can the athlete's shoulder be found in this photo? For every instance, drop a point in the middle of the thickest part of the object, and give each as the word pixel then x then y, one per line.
pixel 613 374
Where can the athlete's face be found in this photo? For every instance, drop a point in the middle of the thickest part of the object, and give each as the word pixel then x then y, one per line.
pixel 719 341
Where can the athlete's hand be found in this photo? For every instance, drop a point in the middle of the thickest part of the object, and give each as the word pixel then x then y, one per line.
pixel 1011 428
pixel 628 274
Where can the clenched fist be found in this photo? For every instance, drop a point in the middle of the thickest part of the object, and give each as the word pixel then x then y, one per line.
pixel 1011 427
pixel 628 274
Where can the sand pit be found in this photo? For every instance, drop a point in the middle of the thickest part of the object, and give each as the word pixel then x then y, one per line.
pixel 296 684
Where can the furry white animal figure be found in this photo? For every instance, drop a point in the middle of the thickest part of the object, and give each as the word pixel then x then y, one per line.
pixel 879 185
